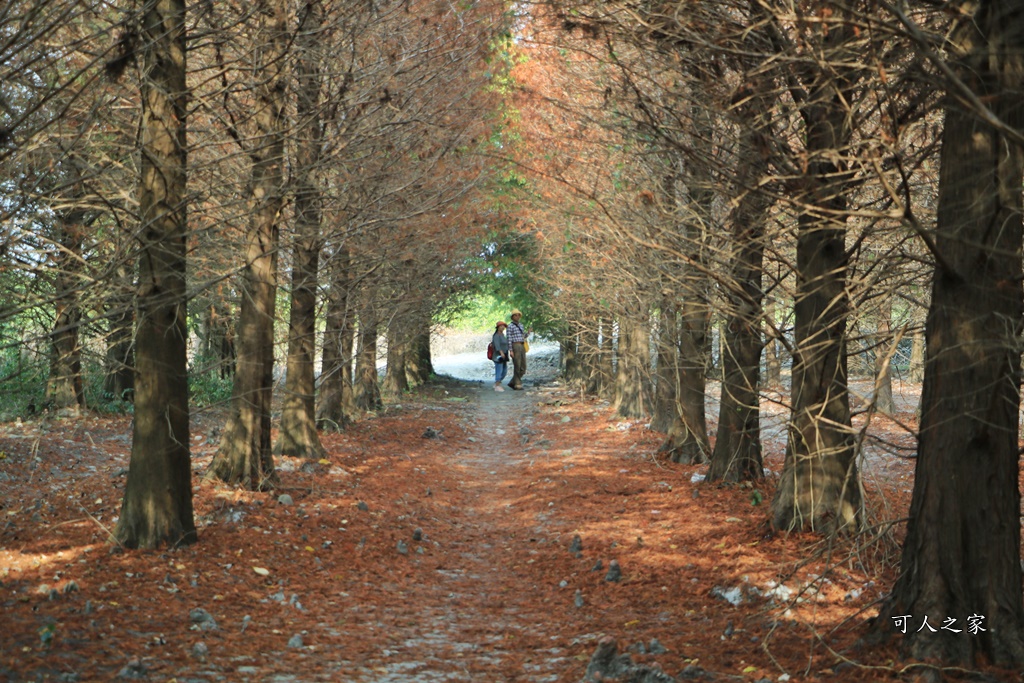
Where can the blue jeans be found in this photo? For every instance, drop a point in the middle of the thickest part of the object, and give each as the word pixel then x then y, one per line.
pixel 500 370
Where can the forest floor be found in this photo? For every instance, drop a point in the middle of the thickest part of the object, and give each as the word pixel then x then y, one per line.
pixel 460 535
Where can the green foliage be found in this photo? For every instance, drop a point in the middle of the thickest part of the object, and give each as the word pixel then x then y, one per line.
pixel 479 313
pixel 205 385
pixel 23 382
pixel 97 397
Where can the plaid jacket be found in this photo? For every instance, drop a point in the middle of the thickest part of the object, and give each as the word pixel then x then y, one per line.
pixel 516 333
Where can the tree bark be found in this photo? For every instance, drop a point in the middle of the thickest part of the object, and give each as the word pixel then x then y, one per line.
pixel 667 370
pixel 244 456
pixel 119 370
pixel 419 366
pixel 64 386
pixel 367 387
pixel 297 434
pixel 687 439
pixel 916 371
pixel 395 381
pixel 883 355
pixel 337 408
pixel 569 358
pixel 820 487
pixel 632 376
pixel 961 556
pixel 596 345
pixel 157 505
pixel 773 354
pixel 737 453
pixel 219 338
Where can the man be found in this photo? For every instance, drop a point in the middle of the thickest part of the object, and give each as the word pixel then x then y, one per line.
pixel 517 341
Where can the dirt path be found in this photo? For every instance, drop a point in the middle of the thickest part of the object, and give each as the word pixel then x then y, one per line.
pixel 473 617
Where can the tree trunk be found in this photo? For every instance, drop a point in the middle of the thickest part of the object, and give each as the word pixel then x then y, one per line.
pixel 337 408
pixel 119 370
pixel 64 386
pixel 883 356
pixel 419 365
pixel 820 487
pixel 687 439
pixel 367 387
pixel 632 384
pixel 395 381
pixel 297 435
pixel 667 370
pixel 569 359
pixel 916 371
pixel 244 456
pixel 737 454
pixel 605 376
pixel 596 342
pixel 961 556
pixel 157 504
pixel 773 355
pixel 219 339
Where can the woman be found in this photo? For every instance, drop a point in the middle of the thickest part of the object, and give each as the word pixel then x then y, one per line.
pixel 500 354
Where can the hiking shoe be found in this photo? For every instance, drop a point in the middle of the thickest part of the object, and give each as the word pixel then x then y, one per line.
pixel 498 387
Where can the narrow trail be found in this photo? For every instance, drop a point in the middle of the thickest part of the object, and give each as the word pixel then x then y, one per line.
pixel 469 623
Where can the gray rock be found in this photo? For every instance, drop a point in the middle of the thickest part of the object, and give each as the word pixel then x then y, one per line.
pixel 578 599
pixel 598 566
pixel 285 499
pixel 295 641
pixel 614 572
pixel 403 548
pixel 362 506
pixel 134 670
pixel 693 672
pixel 606 662
pixel 655 647
pixel 417 534
pixel 200 650
pixel 202 620
pixel 577 544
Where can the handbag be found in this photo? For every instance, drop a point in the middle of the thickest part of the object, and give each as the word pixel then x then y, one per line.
pixel 526 345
